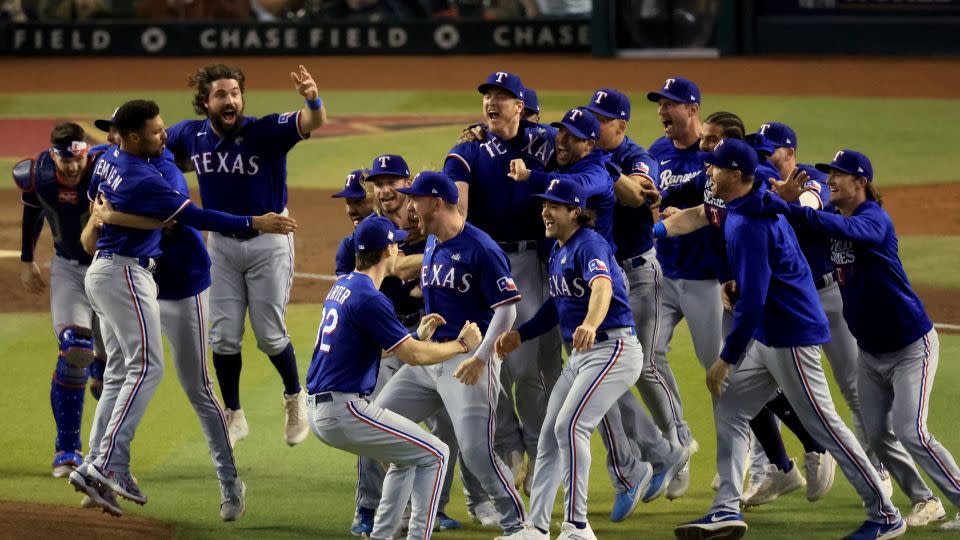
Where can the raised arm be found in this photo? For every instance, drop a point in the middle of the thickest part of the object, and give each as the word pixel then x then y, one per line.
pixel 682 222
pixel 314 114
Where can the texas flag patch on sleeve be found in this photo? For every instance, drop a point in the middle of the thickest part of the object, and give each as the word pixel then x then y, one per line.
pixel 641 167
pixel 596 265
pixel 283 118
pixel 813 185
pixel 506 284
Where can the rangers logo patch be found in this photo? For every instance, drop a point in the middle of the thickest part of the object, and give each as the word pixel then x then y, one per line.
pixel 596 265
pixel 506 284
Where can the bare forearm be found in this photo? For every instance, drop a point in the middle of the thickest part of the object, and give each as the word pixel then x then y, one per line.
pixel 686 221
pixel 426 353
pixel 311 119
pixel 601 292
pixel 628 192
pixel 408 267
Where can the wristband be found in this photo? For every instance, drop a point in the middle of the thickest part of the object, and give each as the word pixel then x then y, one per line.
pixel 659 230
pixel 315 104
pixel 415 335
pixel 463 343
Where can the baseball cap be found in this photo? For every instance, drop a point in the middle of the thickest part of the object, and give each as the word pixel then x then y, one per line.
pixel 610 103
pixel 376 233
pixel 530 100
pixel 850 162
pixel 779 134
pixel 564 192
pixel 389 165
pixel 733 154
pixel 508 81
pixel 677 89
pixel 72 149
pixel 761 144
pixel 581 123
pixel 433 184
pixel 105 125
pixel 352 187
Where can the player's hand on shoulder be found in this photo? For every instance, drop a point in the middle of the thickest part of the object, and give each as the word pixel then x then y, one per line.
pixel 31 278
pixel 716 376
pixel 274 223
pixel 304 83
pixel 518 170
pixel 507 343
pixel 729 292
pixel 102 211
pixel 428 325
pixel 474 133
pixel 584 337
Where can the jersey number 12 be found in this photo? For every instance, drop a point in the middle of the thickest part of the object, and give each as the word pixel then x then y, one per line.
pixel 328 323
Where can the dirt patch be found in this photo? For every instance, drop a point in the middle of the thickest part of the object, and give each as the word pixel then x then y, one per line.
pixel 22 520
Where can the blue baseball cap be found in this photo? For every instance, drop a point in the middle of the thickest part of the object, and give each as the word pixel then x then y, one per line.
pixel 850 162
pixel 581 123
pixel 761 144
pixel 508 81
pixel 105 125
pixel 734 154
pixel 376 233
pixel 779 134
pixel 610 103
pixel 677 89
pixel 564 192
pixel 433 184
pixel 531 101
pixel 353 187
pixel 389 165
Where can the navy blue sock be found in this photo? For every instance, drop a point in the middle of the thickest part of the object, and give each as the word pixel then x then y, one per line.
pixel 780 406
pixel 365 512
pixel 286 364
pixel 66 401
pixel 228 368
pixel 542 531
pixel 765 428
pixel 580 524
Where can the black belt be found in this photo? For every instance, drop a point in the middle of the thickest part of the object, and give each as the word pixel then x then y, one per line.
pixel 602 336
pixel 323 397
pixel 246 235
pixel 519 246
pixel 825 280
pixel 146 263
pixel 633 262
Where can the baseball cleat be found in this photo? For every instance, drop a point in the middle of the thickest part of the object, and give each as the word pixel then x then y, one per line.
pixel 444 522
pixel 680 484
pixel 924 512
pixel 528 532
pixel 237 428
pixel 752 486
pixel 514 461
pixel 296 427
pixel 716 526
pixel 529 466
pixel 871 530
pixel 362 521
pixel 65 463
pixel 87 502
pixel 569 531
pixel 952 525
pixel 485 514
pixel 122 483
pixel 100 494
pixel 820 469
pixel 625 503
pixel 777 483
pixel 232 499
pixel 661 479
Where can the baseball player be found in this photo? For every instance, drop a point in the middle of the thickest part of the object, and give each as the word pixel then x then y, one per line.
pixel 495 204
pixel 898 346
pixel 52 187
pixel 240 163
pixel 777 306
pixel 358 205
pixel 464 276
pixel 182 276
pixel 122 291
pixel 357 322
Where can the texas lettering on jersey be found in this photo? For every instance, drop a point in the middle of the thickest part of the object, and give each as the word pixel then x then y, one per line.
pixel 448 277
pixel 560 287
pixel 222 162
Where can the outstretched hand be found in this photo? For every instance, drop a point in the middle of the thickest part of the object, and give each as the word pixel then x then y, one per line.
pixel 274 223
pixel 429 324
pixel 791 188
pixel 304 84
pixel 507 343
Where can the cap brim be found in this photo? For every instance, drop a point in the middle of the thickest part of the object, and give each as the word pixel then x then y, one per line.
pixel 606 114
pixel 573 129
pixel 348 194
pixel 554 198
pixel 655 97
pixel 411 191
pixel 103 125
pixel 373 175
pixel 827 167
pixel 483 89
pixel 400 235
pixel 712 160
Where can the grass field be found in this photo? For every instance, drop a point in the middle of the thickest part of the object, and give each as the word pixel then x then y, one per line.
pixel 308 490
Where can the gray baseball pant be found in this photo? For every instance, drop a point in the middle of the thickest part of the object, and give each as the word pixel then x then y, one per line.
pixel 587 388
pixel 418 460
pixel 799 374
pixel 631 437
pixel 895 393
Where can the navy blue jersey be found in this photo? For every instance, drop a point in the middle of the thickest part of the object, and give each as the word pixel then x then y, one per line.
pixel 596 179
pixel 356 324
pixel 816 247
pixel 572 269
pixel 465 278
pixel 345 260
pixel 64 207
pixel 633 227
pixel 497 204
pixel 882 310
pixel 682 181
pixel 244 173
pixel 778 303
pixel 134 186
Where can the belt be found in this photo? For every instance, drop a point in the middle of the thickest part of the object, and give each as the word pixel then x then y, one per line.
pixel 331 397
pixel 615 333
pixel 519 246
pixel 633 262
pixel 246 235
pixel 146 263
pixel 825 280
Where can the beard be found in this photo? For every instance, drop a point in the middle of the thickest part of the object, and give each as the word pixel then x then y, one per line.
pixel 226 128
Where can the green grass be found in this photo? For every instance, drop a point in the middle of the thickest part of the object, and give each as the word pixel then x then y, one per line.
pixel 894 132
pixel 308 490
pixel 930 261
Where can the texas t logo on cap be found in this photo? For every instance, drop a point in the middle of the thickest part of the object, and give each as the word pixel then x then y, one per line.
pixel 501 75
pixel 383 160
pixel 600 95
pixel 575 114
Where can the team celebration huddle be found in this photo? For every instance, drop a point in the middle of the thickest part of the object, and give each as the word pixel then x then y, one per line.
pixel 497 311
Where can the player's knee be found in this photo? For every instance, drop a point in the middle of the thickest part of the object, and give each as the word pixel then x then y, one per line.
pixel 76 346
pixel 223 345
pixel 273 345
pixel 907 433
pixel 69 375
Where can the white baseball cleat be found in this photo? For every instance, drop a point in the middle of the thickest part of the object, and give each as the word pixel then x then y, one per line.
pixel 296 426
pixel 232 499
pixel 237 428
pixel 777 483
pixel 924 512
pixel 514 461
pixel 485 514
pixel 751 487
pixel 952 525
pixel 528 532
pixel 569 531
pixel 820 469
